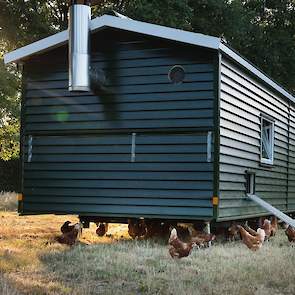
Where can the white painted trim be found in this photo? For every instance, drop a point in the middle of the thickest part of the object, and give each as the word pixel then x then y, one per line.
pixel 155 30
pixel 37 47
pixel 117 23
pixel 272 141
pixel 151 30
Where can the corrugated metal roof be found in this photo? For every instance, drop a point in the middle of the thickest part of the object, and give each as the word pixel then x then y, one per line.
pixel 104 21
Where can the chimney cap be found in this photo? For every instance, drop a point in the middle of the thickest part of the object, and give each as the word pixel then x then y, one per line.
pixel 83 2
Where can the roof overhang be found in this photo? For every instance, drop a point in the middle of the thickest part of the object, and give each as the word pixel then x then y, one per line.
pixel 99 23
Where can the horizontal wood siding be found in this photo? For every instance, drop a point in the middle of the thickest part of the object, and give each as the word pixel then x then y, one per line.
pixel 242 101
pixel 136 91
pixel 81 160
pixel 94 174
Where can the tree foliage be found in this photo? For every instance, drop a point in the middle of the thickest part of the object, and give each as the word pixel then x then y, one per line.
pixel 261 30
pixel 172 13
pixel 9 113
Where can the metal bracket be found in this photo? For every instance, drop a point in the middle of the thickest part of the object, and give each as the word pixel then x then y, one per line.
pixel 133 146
pixel 208 231
pixel 30 148
pixel 209 146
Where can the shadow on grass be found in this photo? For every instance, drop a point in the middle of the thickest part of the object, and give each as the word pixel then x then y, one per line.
pixel 8 201
pixel 6 287
pixel 120 267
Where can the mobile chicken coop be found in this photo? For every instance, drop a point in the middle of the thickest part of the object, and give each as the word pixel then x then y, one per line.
pixel 147 121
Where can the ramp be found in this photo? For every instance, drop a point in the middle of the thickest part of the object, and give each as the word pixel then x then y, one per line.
pixel 272 210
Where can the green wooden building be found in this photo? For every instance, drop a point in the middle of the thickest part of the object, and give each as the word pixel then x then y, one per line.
pixel 176 125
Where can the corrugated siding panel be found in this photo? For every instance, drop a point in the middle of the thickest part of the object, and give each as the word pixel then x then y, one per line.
pixel 169 178
pixel 242 101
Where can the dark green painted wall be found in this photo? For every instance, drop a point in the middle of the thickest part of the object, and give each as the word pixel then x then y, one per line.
pixel 242 100
pixel 291 157
pixel 95 173
pixel 81 159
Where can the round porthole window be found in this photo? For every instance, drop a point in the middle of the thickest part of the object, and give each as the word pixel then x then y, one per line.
pixel 176 74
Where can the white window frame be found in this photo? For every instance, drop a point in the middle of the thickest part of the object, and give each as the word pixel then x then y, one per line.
pixel 268 161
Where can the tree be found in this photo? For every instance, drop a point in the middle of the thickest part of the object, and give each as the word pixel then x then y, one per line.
pixel 172 13
pixel 276 50
pixel 21 22
pixel 261 30
pixel 9 112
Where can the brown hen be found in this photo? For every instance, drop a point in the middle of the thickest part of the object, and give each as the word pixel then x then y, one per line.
pixel 200 238
pixel 252 239
pixel 233 233
pixel 290 232
pixel 136 228
pixel 67 227
pixel 266 226
pixel 102 229
pixel 274 226
pixel 70 238
pixel 178 248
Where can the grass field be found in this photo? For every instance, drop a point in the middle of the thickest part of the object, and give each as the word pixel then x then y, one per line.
pixel 31 262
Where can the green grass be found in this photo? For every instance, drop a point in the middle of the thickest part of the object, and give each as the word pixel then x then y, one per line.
pixel 31 262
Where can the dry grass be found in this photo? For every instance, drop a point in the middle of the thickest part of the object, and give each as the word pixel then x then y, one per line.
pixel 31 262
pixel 5 288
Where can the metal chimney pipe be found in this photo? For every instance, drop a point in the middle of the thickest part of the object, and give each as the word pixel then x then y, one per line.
pixel 79 45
